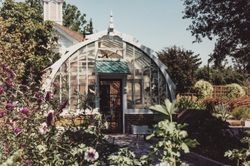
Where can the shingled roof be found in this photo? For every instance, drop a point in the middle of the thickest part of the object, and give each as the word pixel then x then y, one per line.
pixel 73 34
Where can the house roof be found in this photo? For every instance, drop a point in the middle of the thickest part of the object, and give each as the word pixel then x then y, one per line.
pixel 73 34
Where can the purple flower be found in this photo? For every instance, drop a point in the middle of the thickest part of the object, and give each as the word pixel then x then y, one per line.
pixel 39 97
pixel 24 111
pixel 1 90
pixel 4 67
pixel 9 106
pixel 2 113
pixel 63 105
pixel 9 83
pixel 50 117
pixel 11 74
pixel 17 131
pixel 27 162
pixel 48 96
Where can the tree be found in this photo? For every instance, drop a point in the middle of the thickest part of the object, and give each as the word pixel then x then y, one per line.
pixel 36 4
pixel 26 42
pixel 182 65
pixel 88 29
pixel 226 75
pixel 227 22
pixel 72 18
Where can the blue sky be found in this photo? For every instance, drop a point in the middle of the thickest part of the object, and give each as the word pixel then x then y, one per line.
pixel 155 23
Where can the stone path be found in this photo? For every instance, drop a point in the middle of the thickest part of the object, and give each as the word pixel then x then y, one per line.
pixel 140 147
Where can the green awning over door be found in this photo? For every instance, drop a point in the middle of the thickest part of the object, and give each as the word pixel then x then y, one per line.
pixel 118 67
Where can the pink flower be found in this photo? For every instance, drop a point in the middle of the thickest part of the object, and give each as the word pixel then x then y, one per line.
pixel 91 155
pixel 1 90
pixel 24 111
pixel 9 106
pixel 9 83
pixel 39 97
pixel 17 131
pixel 49 96
pixel 2 113
pixel 43 128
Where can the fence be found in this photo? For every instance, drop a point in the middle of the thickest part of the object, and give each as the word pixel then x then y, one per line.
pixel 218 92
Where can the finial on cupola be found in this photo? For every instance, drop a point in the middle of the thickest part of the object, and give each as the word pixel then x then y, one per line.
pixel 111 23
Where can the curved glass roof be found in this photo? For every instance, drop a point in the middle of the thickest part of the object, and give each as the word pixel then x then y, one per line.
pixel 113 55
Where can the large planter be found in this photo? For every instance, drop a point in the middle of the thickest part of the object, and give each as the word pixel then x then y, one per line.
pixel 234 122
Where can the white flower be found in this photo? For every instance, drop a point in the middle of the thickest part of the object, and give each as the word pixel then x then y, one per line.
pixel 45 106
pixel 91 155
pixel 96 111
pixel 60 129
pixel 163 164
pixel 43 128
pixel 49 112
pixel 91 111
pixel 65 113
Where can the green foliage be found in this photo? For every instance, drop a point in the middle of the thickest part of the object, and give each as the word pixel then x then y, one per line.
pixel 72 18
pixel 172 139
pixel 126 158
pixel 182 65
pixel 227 22
pixel 203 88
pixel 211 133
pixel 222 111
pixel 186 103
pixel 172 142
pixel 235 90
pixel 241 155
pixel 241 112
pixel 220 76
pixel 167 109
pixel 26 42
pixel 36 4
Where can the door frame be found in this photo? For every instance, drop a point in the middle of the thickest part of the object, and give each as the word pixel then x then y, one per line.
pixel 122 78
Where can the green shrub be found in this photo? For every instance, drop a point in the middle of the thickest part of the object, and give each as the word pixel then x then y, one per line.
pixel 186 103
pixel 203 88
pixel 235 90
pixel 241 155
pixel 242 112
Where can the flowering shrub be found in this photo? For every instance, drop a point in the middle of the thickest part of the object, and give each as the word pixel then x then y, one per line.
pixel 235 90
pixel 33 133
pixel 204 89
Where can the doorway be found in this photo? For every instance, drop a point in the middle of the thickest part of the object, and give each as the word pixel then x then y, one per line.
pixel 111 103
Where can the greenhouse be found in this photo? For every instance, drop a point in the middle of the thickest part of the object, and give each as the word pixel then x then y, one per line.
pixel 116 74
